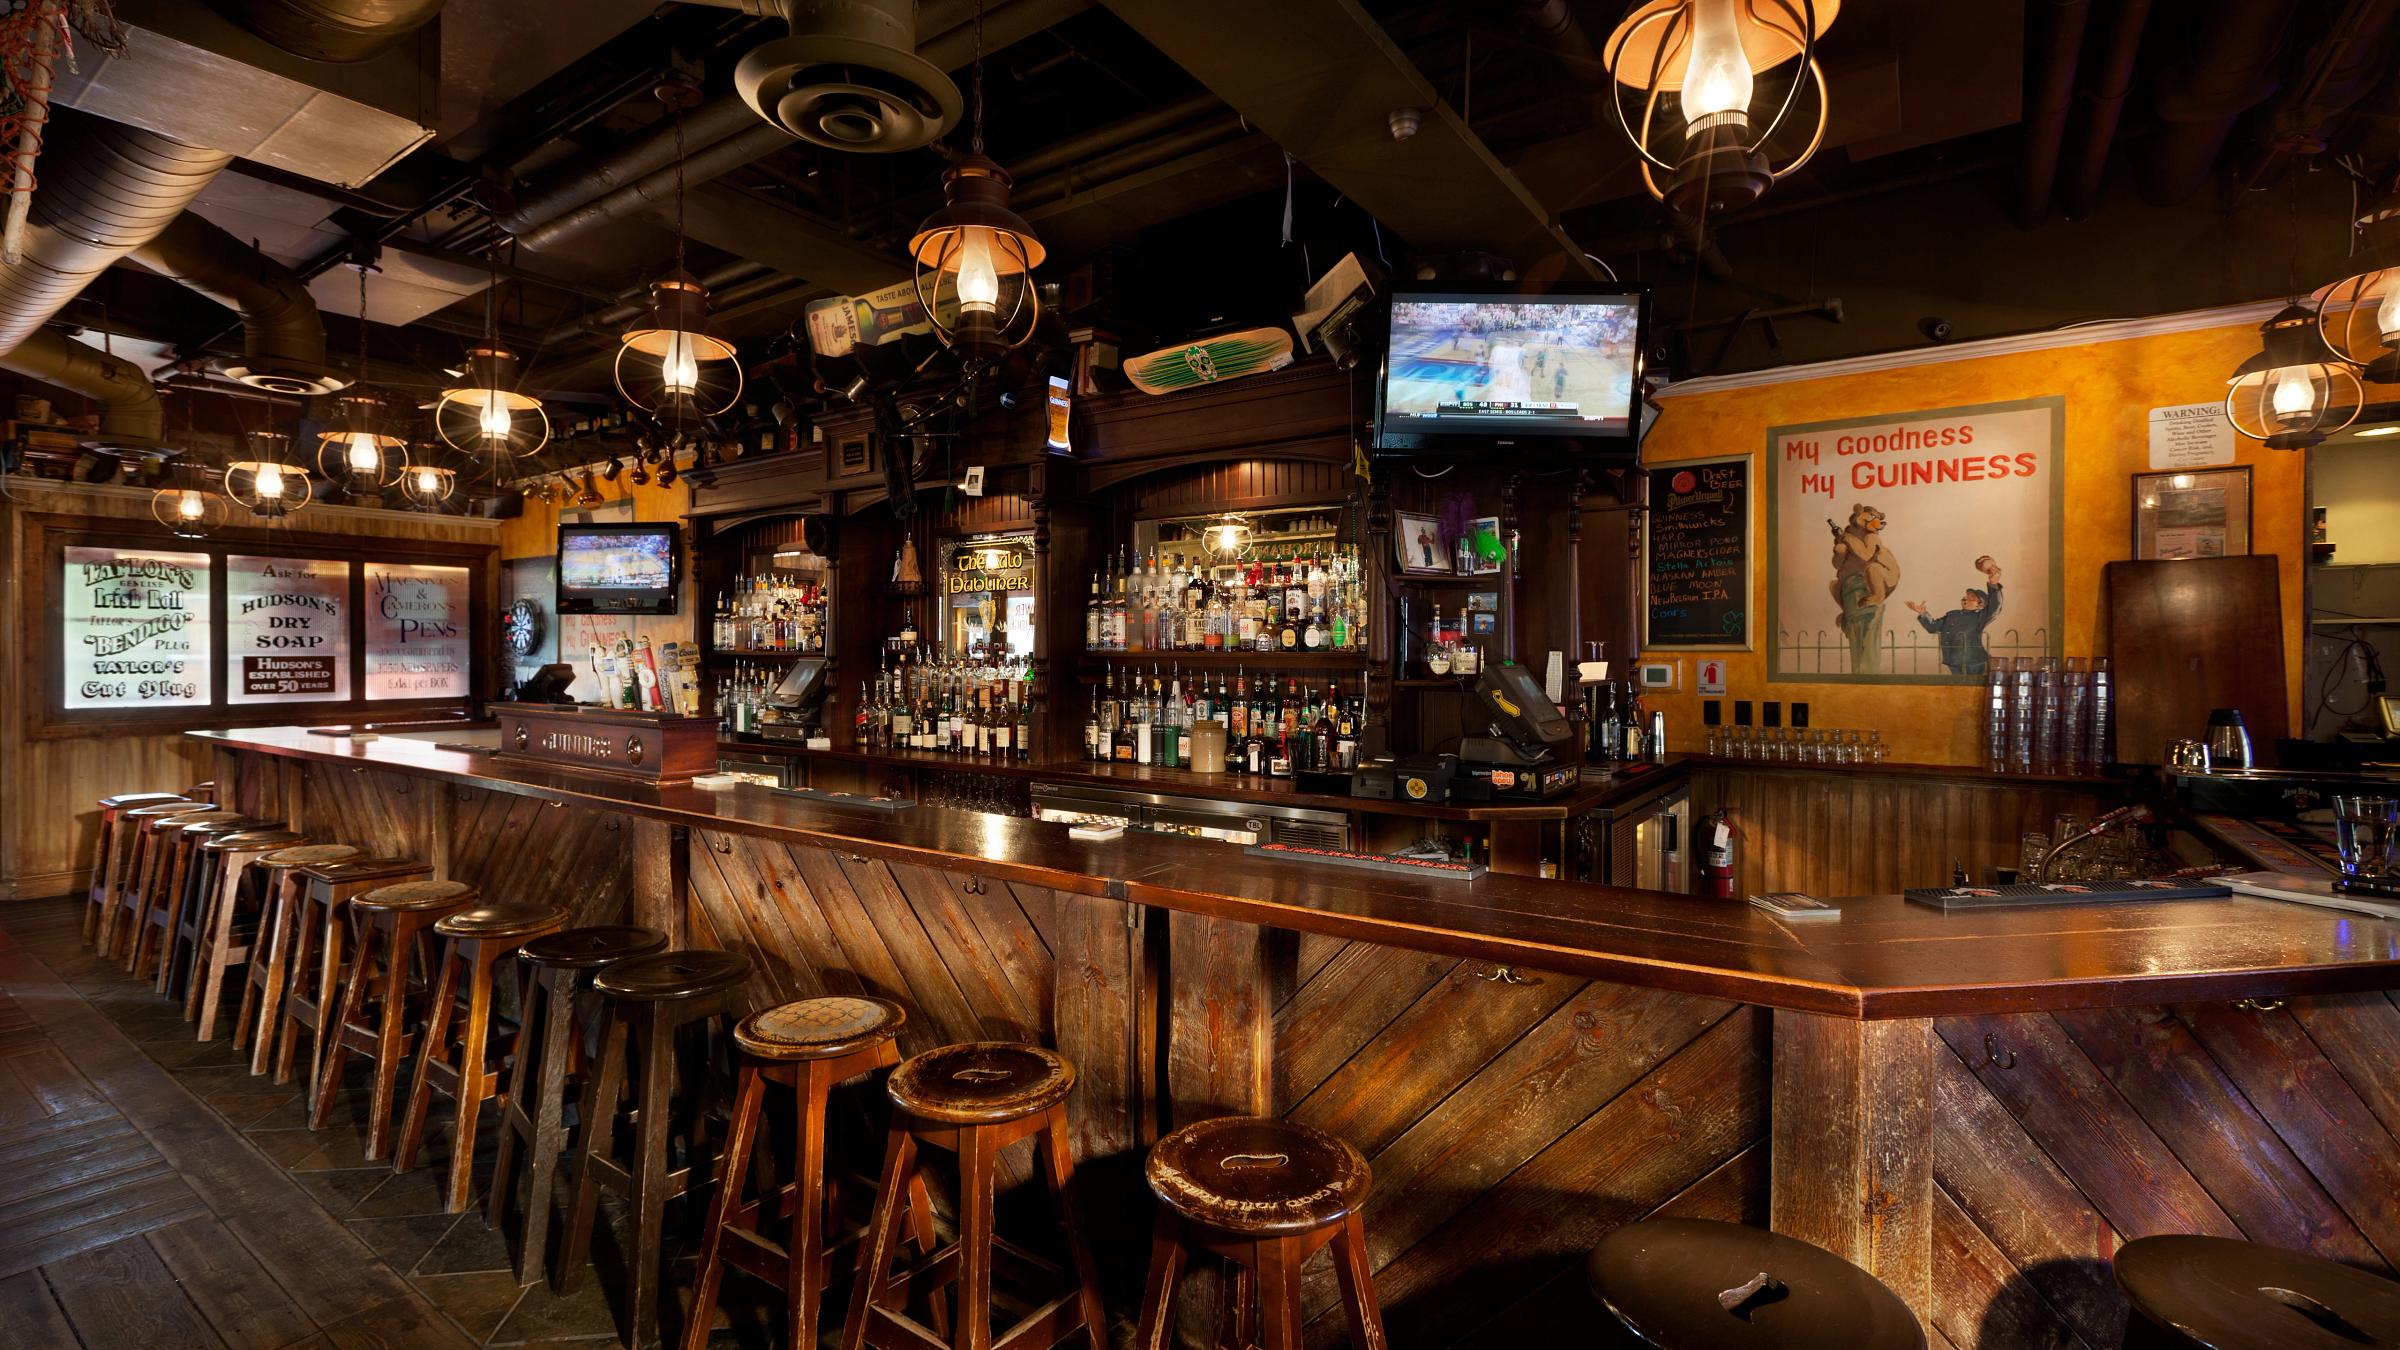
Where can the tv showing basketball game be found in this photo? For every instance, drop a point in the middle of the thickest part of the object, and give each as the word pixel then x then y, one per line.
pixel 1495 368
pixel 617 569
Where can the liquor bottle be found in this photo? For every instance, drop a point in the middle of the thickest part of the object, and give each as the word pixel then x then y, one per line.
pixel 1091 729
pixel 1023 736
pixel 1004 728
pixel 1092 617
pixel 1143 733
pixel 902 735
pixel 1237 719
pixel 862 722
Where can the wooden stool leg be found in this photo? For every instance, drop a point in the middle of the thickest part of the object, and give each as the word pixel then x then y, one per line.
pixel 599 1127
pixel 1156 1330
pixel 872 1285
pixel 978 1185
pixel 1058 1154
pixel 391 1029
pixel 301 961
pixel 217 946
pixel 432 1044
pixel 354 995
pixel 529 1000
pixel 804 1285
pixel 657 1052
pixel 183 960
pixel 1240 1329
pixel 1279 1293
pixel 748 1102
pixel 549 1131
pixel 921 1233
pixel 329 988
pixel 471 1083
pixel 169 906
pixel 1350 1271
pixel 270 990
pixel 97 885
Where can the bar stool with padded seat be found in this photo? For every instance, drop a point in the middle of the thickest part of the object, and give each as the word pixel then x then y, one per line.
pixel 808 1046
pixel 558 973
pixel 1265 1195
pixel 975 1099
pixel 133 880
pixel 222 939
pixel 375 1021
pixel 479 940
pixel 1697 1284
pixel 180 838
pixel 180 943
pixel 2190 1291
pixel 646 1001
pixel 270 974
pixel 107 855
pixel 319 915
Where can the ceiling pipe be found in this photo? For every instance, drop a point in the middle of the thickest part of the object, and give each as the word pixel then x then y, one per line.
pixel 2342 68
pixel 331 30
pixel 131 413
pixel 2104 96
pixel 633 303
pixel 1132 159
pixel 2048 101
pixel 583 182
pixel 2235 64
pixel 1114 135
pixel 283 337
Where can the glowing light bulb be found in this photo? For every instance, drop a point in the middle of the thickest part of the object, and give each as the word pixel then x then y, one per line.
pixel 190 506
pixel 494 420
pixel 364 456
pixel 1716 82
pixel 679 368
pixel 2292 399
pixel 2387 314
pixel 1229 538
pixel 268 481
pixel 978 279
pixel 429 481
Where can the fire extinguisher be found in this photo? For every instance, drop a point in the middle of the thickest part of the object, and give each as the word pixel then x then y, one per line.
pixel 1717 837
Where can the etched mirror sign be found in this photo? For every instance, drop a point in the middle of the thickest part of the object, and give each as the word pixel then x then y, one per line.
pixel 420 638
pixel 136 628
pixel 287 630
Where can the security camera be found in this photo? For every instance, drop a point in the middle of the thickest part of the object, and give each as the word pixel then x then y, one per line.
pixel 1935 328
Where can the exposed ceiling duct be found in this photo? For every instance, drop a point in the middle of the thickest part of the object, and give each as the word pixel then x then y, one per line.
pixel 131 413
pixel 331 30
pixel 283 335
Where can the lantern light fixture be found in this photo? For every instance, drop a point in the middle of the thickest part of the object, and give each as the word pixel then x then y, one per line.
pixel 975 256
pixel 2359 316
pixel 485 416
pixel 1693 64
pixel 187 507
pixel 269 482
pixel 426 483
pixel 2289 395
pixel 357 449
pixel 674 365
pixel 1228 538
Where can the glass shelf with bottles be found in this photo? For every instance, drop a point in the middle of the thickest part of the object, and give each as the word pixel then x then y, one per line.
pixel 1444 650
pixel 974 707
pixel 1197 604
pixel 770 615
pixel 1273 726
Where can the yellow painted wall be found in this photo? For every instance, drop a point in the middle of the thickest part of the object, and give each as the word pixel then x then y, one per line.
pixel 2109 387
pixel 535 535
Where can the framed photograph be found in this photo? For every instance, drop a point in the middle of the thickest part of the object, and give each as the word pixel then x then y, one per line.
pixel 2192 513
pixel 1482 525
pixel 1417 545
pixel 1483 623
pixel 1483 602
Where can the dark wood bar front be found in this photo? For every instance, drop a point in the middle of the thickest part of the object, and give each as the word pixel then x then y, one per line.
pixel 1951 1100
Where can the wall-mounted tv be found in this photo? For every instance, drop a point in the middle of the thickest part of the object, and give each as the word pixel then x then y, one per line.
pixel 618 569
pixel 1467 370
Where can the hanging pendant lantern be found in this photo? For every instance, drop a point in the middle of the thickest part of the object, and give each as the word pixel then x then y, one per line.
pixel 358 450
pixel 2359 316
pixel 974 261
pixel 1692 64
pixel 189 506
pixel 674 365
pixel 485 416
pixel 271 482
pixel 2289 395
pixel 428 483
pixel 1227 538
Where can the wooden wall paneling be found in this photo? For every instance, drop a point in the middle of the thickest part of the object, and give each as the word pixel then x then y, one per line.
pixel 1983 1300
pixel 50 833
pixel 2190 639
pixel 1220 1029
pixel 2357 1032
pixel 1351 997
pixel 1852 1147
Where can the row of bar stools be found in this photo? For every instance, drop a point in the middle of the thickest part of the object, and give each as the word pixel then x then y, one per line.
pixel 134 875
pixel 390 922
pixel 558 972
pixel 181 924
pixel 458 1055
pixel 318 917
pixel 270 971
pixel 154 838
pixel 108 853
pixel 225 939
pixel 180 837
pixel 973 1100
pixel 648 999
pixel 1265 1195
pixel 809 1046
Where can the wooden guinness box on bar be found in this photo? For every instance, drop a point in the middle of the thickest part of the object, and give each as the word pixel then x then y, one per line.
pixel 655 747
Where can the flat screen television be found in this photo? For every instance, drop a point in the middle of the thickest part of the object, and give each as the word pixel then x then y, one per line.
pixel 618 569
pixel 1466 371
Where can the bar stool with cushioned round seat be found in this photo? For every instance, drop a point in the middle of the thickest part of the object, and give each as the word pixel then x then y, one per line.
pixel 1265 1195
pixel 557 977
pixel 108 853
pixel 317 919
pixel 227 928
pixel 181 838
pixel 133 879
pixel 975 1099
pixel 808 1046
pixel 390 922
pixel 469 1070
pixel 1697 1284
pixel 647 1000
pixel 270 975
pixel 2200 1292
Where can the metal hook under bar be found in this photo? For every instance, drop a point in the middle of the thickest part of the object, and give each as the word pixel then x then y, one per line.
pixel 1995 1056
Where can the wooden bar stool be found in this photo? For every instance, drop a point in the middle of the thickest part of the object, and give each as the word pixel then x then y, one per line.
pixel 319 916
pixel 975 1099
pixel 460 1055
pixel 558 973
pixel 647 1000
pixel 270 974
pixel 808 1046
pixel 390 921
pixel 1697 1284
pixel 106 854
pixel 180 838
pixel 139 826
pixel 1265 1195
pixel 188 915
pixel 224 939
pixel 2190 1293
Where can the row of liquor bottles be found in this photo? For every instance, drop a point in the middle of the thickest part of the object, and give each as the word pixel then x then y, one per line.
pixel 766 613
pixel 1267 734
pixel 978 709
pixel 1146 604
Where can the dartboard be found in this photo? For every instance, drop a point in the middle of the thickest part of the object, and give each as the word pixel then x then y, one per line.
pixel 521 627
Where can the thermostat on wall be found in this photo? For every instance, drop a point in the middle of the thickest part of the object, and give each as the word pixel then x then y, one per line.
pixel 1659 674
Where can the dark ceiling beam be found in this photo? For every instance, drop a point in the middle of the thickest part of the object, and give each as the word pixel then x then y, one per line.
pixel 1322 78
pixel 791 243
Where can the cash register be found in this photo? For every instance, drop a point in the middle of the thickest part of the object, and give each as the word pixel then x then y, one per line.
pixel 793 710
pixel 1520 757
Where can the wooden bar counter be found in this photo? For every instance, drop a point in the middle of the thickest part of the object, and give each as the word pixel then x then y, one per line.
pixel 1978 1107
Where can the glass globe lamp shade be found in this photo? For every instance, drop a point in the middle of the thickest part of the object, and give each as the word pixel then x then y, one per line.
pixel 2290 396
pixel 485 416
pixel 974 262
pixel 358 449
pixel 428 485
pixel 1227 538
pixel 188 508
pixel 271 482
pixel 1692 65
pixel 2359 316
pixel 673 364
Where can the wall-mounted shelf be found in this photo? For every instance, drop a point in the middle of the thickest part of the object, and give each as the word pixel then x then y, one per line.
pixel 1301 660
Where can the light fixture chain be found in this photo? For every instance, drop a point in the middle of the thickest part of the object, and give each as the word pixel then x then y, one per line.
pixel 677 113
pixel 976 136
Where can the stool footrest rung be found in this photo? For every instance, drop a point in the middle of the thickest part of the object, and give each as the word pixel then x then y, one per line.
pixel 1045 1326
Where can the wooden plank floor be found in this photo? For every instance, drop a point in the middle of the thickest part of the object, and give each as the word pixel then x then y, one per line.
pixel 154 1194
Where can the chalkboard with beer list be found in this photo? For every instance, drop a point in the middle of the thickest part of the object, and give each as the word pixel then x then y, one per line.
pixel 287 630
pixel 420 642
pixel 1698 566
pixel 136 628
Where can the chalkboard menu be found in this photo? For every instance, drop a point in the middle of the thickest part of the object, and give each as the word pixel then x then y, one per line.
pixel 287 630
pixel 136 628
pixel 1699 556
pixel 419 639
